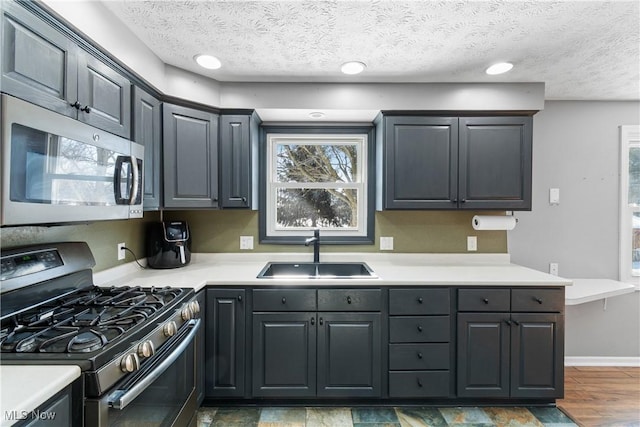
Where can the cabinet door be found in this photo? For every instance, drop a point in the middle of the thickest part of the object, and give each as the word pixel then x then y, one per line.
pixel 284 354
pixel 421 162
pixel 147 131
pixel 537 355
pixel 483 355
pixel 200 370
pixel 225 362
pixel 349 354
pixel 190 142
pixel 235 161
pixel 39 64
pixel 104 96
pixel 495 163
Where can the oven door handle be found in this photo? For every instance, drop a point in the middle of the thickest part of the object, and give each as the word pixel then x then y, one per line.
pixel 119 399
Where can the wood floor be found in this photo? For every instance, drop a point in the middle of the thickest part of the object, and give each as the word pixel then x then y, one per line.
pixel 602 396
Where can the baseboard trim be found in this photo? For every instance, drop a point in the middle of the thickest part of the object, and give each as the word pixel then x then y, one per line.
pixel 601 361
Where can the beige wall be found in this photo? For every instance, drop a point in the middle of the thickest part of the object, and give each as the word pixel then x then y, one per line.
pixel 220 231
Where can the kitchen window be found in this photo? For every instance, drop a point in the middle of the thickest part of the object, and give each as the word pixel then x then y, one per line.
pixel 630 203
pixel 318 178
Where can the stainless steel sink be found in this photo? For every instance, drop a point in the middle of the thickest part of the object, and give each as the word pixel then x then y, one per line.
pixel 320 270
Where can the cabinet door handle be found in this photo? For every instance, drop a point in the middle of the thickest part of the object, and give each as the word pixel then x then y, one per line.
pixel 75 105
pixel 486 301
pixel 244 200
pixel 419 355
pixel 239 297
pixel 313 321
pixel 419 328
pixel 420 300
pixel 321 321
pixel 515 322
pixel 284 300
pixel 508 322
pixel 86 109
pixel 538 300
pixel 463 200
pixel 348 300
pixel 419 382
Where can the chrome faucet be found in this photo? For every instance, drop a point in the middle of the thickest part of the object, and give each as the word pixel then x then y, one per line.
pixel 316 245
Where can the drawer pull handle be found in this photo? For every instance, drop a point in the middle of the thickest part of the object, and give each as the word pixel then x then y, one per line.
pixel 419 355
pixel 313 321
pixel 419 382
pixel 419 328
pixel 239 297
pixel 321 321
pixel 486 301
pixel 420 300
pixel 348 300
pixel 284 300
pixel 539 300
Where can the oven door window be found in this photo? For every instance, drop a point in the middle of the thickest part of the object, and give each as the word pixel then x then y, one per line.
pixel 53 169
pixel 162 401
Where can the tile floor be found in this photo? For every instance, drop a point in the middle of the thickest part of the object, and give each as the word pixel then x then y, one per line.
pixel 383 417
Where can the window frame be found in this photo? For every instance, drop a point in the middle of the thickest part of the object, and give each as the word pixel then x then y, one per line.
pixel 629 137
pixel 366 233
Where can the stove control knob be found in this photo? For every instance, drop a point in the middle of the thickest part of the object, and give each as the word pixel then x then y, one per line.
pixel 195 307
pixel 169 329
pixel 146 349
pixel 130 363
pixel 186 313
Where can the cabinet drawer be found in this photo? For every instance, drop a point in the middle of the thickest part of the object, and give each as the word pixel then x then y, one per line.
pixel 484 299
pixel 419 329
pixel 349 299
pixel 418 301
pixel 418 356
pixel 284 300
pixel 418 383
pixel 548 300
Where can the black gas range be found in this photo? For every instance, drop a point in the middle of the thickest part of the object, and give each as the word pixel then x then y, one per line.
pixel 123 338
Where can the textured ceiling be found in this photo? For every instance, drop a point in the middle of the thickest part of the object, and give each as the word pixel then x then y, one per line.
pixel 580 49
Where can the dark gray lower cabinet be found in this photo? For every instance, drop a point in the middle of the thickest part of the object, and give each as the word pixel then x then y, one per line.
pixel 510 355
pixel 200 347
pixel 349 356
pixel 225 362
pixel 284 354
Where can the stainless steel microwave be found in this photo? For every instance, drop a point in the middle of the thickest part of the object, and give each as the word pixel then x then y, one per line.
pixel 57 170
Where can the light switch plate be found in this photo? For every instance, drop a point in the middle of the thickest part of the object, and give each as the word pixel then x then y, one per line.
pixel 246 243
pixel 386 243
pixel 554 196
pixel 472 243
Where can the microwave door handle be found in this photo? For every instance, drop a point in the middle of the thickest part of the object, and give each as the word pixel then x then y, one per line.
pixel 117 179
pixel 136 181
pixel 119 399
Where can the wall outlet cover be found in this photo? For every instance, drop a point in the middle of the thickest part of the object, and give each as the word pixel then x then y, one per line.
pixel 472 243
pixel 553 268
pixel 121 251
pixel 246 243
pixel 386 243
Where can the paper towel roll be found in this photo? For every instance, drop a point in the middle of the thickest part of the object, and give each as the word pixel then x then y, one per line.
pixel 493 222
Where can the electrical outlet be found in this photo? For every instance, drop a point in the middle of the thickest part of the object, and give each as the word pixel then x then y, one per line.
pixel 246 243
pixel 121 251
pixel 472 243
pixel 553 268
pixel 386 243
pixel 554 196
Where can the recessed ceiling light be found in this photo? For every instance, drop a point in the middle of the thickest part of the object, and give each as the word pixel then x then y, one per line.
pixel 208 61
pixel 499 68
pixel 316 115
pixel 353 67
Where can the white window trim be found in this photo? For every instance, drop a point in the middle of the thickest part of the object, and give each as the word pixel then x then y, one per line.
pixel 629 137
pixel 360 140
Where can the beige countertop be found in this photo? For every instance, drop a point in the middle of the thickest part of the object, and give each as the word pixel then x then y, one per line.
pixel 24 388
pixel 241 269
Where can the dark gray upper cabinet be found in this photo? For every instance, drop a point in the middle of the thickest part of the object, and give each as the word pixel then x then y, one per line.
pixel 238 161
pixel 421 159
pixel 147 131
pixel 225 331
pixel 432 162
pixel 43 66
pixel 495 163
pixel 506 352
pixel 190 140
